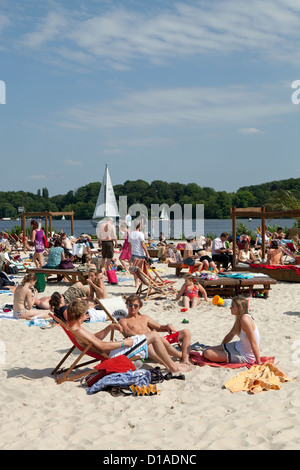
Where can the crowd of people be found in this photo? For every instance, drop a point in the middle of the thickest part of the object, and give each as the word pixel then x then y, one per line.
pixel 73 305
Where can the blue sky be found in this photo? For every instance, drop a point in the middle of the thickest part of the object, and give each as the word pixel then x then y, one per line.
pixel 187 91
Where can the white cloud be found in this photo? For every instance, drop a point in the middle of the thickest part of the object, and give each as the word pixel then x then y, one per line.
pixel 73 163
pixel 183 107
pixel 250 131
pixel 36 177
pixel 47 31
pixel 120 36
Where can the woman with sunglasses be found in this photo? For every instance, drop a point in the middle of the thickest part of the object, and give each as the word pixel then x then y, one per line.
pixel 246 350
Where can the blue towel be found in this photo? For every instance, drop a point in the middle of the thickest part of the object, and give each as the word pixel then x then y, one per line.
pixel 125 379
pixel 236 275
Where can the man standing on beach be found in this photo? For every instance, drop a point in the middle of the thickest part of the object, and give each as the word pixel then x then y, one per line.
pixel 137 244
pixel 106 235
pixel 137 324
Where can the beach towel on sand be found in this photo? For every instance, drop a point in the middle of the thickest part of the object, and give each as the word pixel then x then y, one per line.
pixel 200 360
pixel 257 379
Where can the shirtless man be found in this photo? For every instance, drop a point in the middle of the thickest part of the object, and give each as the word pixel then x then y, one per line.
pixel 274 255
pixel 137 324
pixel 25 297
pixel 76 316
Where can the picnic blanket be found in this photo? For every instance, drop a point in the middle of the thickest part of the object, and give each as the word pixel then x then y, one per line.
pixel 257 379
pixel 200 360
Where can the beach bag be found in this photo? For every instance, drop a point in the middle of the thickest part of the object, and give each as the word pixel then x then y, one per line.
pixel 46 244
pixel 5 281
pixel 11 269
pixel 66 264
pixel 111 276
pixel 41 282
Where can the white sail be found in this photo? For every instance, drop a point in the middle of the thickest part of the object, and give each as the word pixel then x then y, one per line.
pixel 164 214
pixel 106 205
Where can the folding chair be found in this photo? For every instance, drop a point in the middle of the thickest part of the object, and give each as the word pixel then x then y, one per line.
pixel 76 364
pixel 151 286
pixel 114 307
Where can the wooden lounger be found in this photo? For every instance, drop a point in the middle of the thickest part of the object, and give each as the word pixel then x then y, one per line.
pixel 178 267
pixel 229 287
pixel 71 275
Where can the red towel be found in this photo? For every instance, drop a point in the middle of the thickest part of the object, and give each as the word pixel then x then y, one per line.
pixel 286 266
pixel 200 360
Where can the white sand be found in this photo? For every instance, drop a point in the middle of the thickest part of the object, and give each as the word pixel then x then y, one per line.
pixel 194 414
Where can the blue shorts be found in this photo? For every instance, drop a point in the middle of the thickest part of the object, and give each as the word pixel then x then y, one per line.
pixel 233 356
pixel 189 261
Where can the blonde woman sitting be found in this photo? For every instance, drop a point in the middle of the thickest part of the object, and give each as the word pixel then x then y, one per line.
pixel 246 350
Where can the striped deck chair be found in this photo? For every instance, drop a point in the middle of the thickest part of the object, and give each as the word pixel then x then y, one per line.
pixel 76 364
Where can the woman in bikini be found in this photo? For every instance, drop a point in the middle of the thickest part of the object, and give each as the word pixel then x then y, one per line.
pixel 190 292
pixel 25 297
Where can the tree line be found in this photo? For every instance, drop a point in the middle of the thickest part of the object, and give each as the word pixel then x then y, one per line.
pixel 217 204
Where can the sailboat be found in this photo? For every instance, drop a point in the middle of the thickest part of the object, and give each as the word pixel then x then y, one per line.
pixel 106 205
pixel 164 214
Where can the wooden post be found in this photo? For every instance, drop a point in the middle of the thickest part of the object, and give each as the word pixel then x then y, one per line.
pixel 46 226
pixel 263 232
pixel 72 224
pixel 233 214
pixel 50 223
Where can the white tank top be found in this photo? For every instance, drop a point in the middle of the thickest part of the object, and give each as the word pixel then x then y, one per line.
pixel 243 345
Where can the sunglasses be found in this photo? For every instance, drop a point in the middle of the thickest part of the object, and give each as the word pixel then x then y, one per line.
pixel 134 305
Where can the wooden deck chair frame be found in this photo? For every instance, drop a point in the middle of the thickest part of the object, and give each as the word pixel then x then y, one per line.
pixel 112 306
pixel 148 286
pixel 66 371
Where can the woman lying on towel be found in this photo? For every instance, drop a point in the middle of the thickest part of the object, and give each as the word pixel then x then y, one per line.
pixel 25 298
pixel 246 350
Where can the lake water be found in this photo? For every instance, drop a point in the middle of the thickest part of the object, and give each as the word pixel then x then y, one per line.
pixel 211 226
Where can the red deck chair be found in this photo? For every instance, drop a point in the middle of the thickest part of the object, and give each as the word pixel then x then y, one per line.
pixel 76 364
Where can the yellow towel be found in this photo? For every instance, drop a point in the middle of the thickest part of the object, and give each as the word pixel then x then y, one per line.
pixel 257 379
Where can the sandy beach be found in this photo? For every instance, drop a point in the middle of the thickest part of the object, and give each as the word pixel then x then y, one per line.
pixel 193 414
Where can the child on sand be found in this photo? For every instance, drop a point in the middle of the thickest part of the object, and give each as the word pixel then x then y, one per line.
pixel 190 292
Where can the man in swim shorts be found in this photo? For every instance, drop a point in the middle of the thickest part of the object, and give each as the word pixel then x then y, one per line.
pixel 137 324
pixel 76 316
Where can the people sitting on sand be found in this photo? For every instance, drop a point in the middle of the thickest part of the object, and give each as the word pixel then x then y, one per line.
pixel 244 238
pixel 278 234
pixel 56 255
pixel 25 298
pixel 190 292
pixel 258 239
pixel 136 323
pixel 246 349
pixel 296 242
pixel 246 255
pixel 162 239
pixel 133 347
pixel 206 259
pixel 220 253
pixel 59 306
pixel 4 242
pixel 67 244
pixel 96 285
pixel 189 258
pixel 274 254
